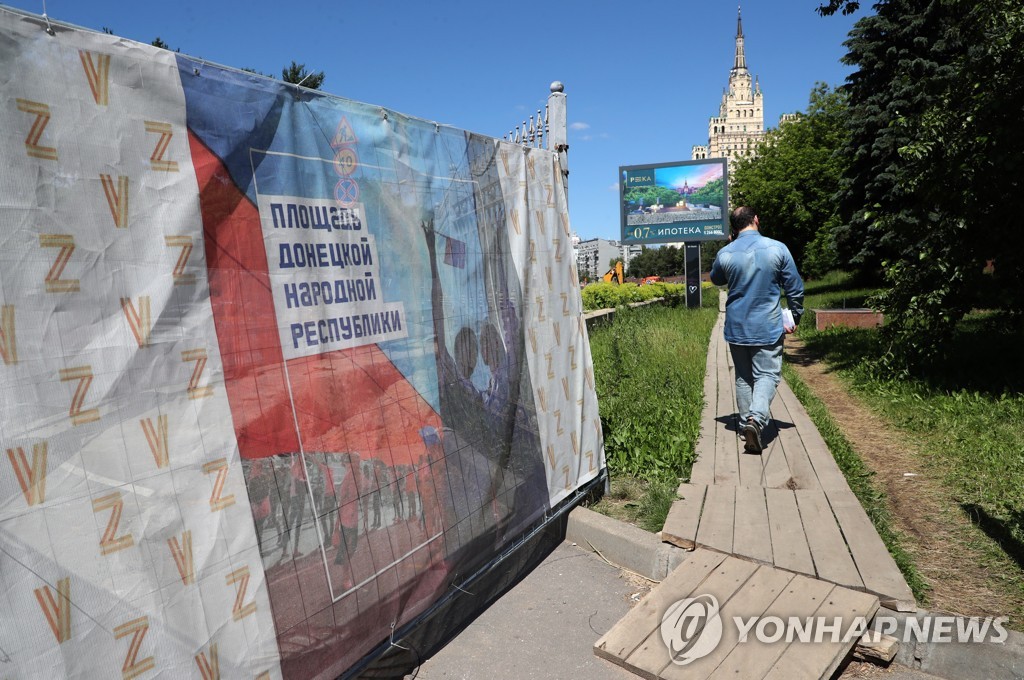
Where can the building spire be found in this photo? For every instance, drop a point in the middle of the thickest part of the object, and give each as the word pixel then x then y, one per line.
pixel 740 63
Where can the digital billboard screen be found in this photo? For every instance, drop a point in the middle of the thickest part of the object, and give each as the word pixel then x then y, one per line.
pixel 672 202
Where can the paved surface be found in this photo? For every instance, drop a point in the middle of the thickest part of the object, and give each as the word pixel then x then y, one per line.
pixel 545 627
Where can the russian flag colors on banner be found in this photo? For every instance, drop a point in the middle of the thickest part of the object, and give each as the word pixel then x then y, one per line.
pixel 277 367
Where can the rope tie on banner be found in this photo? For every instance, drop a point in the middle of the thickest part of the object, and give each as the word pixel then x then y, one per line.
pixel 49 28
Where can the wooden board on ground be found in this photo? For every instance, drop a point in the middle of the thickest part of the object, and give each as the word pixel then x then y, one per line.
pixel 877 568
pixel 832 560
pixel 739 588
pixel 717 518
pixel 752 536
pixel 680 526
pixel 825 468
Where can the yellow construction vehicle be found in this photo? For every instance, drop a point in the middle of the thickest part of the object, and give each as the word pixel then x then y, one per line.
pixel 614 273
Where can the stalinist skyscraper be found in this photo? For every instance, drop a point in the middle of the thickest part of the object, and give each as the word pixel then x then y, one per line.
pixel 739 125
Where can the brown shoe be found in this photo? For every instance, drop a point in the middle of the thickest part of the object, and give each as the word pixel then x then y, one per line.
pixel 752 436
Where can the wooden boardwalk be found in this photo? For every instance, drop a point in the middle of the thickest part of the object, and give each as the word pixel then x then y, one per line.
pixel 776 533
pixel 788 506
pixel 740 589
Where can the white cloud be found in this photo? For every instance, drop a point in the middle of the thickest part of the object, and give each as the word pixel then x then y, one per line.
pixel 579 125
pixel 613 187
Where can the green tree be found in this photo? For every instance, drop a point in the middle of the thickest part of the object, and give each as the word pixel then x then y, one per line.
pixel 298 75
pixel 936 153
pixel 793 179
pixel 158 42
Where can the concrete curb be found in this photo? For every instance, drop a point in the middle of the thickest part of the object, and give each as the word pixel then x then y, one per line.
pixel 623 544
pixel 642 552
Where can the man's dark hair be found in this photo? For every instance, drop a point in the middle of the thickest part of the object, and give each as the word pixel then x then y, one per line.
pixel 741 218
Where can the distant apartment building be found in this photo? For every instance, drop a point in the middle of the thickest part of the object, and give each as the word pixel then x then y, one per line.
pixel 594 255
pixel 628 253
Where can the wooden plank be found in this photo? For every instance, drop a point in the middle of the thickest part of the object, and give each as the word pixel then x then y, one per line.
pixel 751 465
pixel 752 600
pixel 877 568
pixel 800 468
pixel 727 469
pixel 832 560
pixel 820 660
pixel 703 471
pixel 684 516
pixel 776 473
pixel 825 467
pixel 652 656
pixel 751 536
pixel 632 629
pixel 875 647
pixel 716 521
pixel 753 658
pixel 789 544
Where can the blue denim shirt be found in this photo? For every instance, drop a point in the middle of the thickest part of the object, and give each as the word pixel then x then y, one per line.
pixel 755 267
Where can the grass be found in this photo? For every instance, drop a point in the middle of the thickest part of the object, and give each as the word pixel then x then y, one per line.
pixel 649 369
pixel 964 416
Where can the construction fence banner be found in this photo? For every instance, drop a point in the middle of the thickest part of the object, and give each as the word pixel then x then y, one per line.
pixel 278 368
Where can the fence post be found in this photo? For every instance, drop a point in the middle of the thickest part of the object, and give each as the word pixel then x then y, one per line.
pixel 558 137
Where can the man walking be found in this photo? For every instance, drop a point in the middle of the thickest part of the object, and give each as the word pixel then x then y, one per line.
pixel 755 268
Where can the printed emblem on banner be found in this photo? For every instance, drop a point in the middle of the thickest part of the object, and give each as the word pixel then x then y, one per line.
pixel 110 542
pixel 217 502
pixel 181 551
pixel 194 390
pixel 346 191
pixel 57 610
pixel 54 282
pixel 240 577
pixel 32 146
pixel 98 74
pixel 346 161
pixel 344 134
pixel 8 340
pixel 133 667
pixel 209 666
pixel 140 319
pixel 31 478
pixel 117 199
pixel 156 437
pixel 179 275
pixel 156 160
pixel 83 374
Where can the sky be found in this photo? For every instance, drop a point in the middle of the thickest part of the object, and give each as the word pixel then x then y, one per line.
pixel 641 78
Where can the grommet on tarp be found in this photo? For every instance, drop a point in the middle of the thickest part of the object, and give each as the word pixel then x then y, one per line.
pixel 49 28
pixel 383 114
pixel 195 70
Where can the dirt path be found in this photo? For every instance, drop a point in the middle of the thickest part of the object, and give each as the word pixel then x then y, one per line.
pixel 949 551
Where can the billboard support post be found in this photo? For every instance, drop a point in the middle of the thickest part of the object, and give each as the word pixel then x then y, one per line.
pixel 693 287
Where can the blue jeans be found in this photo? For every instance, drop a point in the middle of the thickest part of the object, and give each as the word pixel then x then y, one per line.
pixel 758 371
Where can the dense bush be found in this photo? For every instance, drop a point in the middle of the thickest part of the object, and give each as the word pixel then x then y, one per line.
pixel 610 295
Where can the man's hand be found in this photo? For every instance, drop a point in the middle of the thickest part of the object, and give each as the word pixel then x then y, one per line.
pixel 788 323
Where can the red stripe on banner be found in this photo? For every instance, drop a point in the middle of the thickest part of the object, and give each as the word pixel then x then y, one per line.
pixel 348 400
pixel 243 311
pixel 356 400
